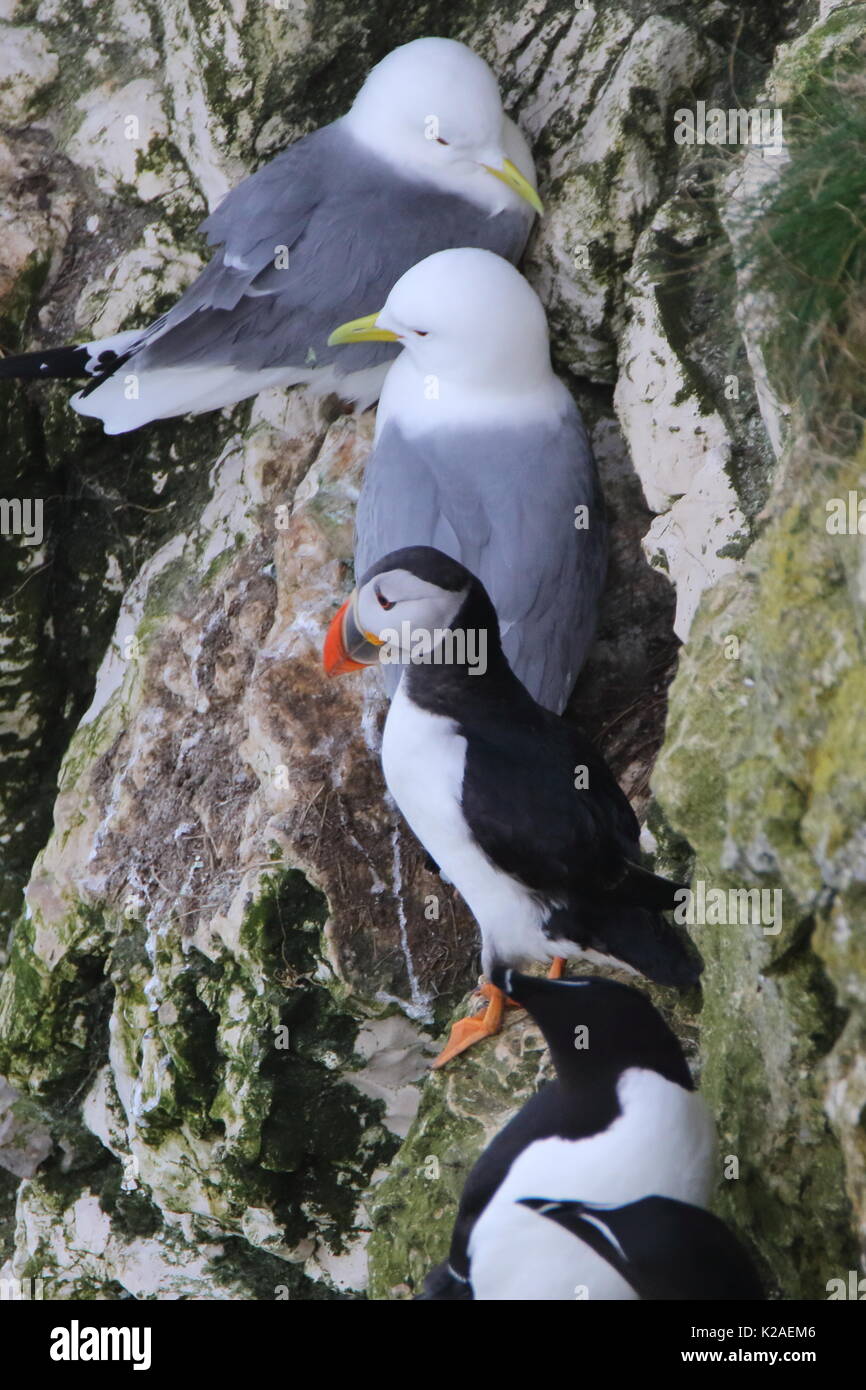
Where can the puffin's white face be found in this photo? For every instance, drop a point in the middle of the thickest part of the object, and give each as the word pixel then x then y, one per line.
pixel 464 315
pixel 433 107
pixel 396 617
pixel 398 602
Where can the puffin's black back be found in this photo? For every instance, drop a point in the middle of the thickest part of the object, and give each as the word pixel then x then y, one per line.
pixel 540 800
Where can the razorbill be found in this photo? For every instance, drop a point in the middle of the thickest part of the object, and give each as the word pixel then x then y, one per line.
pixel 622 1121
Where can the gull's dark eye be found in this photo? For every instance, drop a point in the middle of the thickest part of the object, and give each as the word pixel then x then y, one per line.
pixel 383 601
pixel 440 141
pixel 420 332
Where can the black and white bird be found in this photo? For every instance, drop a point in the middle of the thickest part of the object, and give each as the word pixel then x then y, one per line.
pixel 515 805
pixel 662 1248
pixel 481 452
pixel 424 159
pixel 621 1122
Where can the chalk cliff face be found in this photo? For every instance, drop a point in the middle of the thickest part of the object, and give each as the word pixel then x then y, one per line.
pixel 218 1005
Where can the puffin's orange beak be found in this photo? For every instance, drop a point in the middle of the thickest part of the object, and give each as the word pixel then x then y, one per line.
pixel 346 647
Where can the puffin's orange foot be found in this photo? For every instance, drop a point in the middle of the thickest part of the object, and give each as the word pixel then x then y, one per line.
pixel 557 969
pixel 486 991
pixel 464 1033
pixel 467 1031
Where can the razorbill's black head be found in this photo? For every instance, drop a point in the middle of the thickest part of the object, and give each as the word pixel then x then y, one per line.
pixel 596 1027
pixel 663 1248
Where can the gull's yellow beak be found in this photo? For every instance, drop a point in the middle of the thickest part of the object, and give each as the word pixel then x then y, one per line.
pixel 362 331
pixel 510 174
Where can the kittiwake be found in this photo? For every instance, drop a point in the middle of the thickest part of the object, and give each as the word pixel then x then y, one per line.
pixel 481 452
pixel 424 159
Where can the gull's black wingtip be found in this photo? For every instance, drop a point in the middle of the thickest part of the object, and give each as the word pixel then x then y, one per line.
pixel 57 364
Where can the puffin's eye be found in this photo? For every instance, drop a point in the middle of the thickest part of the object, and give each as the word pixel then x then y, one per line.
pixel 383 601
pixel 440 141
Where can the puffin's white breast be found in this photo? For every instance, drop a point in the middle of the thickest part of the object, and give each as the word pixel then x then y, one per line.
pixel 424 758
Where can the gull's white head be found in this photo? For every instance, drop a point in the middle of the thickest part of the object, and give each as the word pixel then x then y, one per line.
pixel 432 109
pixel 464 316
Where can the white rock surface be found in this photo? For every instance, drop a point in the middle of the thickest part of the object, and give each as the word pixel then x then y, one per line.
pixel 27 65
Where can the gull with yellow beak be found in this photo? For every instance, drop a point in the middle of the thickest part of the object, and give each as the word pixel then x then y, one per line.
pixel 481 452
pixel 424 159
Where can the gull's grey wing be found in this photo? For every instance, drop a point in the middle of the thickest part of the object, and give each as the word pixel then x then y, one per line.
pixel 350 225
pixel 399 505
pixel 503 503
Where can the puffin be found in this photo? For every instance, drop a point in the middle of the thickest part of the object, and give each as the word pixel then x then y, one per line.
pixel 515 805
pixel 620 1123
pixel 424 159
pixel 481 451
pixel 663 1248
